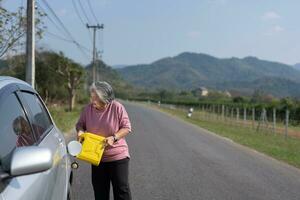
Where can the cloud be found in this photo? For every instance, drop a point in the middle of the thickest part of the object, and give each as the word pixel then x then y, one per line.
pixel 274 30
pixel 194 34
pixel 278 28
pixel 270 15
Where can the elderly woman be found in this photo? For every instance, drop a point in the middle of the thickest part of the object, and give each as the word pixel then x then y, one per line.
pixel 107 117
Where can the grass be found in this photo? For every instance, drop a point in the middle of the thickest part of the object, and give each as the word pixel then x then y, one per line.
pixel 274 145
pixel 64 119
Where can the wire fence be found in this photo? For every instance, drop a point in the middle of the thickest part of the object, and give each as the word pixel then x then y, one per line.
pixel 272 121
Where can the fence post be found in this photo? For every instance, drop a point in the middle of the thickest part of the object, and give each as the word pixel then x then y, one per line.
pixel 253 118
pixel 232 119
pixel 287 112
pixel 237 115
pixel 209 113
pixel 218 112
pixel 274 120
pixel 213 116
pixel 245 116
pixel 223 109
pixel 227 115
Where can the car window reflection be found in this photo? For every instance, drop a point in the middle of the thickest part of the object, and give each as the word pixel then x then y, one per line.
pixel 41 121
pixel 22 129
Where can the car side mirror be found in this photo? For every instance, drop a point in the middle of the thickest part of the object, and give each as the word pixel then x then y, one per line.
pixel 74 148
pixel 29 160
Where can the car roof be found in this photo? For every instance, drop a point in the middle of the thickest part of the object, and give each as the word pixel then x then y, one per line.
pixel 5 80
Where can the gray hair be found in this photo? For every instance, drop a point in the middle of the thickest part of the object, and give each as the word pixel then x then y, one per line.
pixel 103 90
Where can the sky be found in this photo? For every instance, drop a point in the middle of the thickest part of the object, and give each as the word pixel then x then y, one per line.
pixel 137 32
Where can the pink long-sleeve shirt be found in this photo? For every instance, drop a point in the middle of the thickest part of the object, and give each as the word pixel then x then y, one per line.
pixel 107 122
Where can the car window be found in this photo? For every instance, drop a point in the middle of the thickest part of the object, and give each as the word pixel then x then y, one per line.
pixel 15 130
pixel 41 121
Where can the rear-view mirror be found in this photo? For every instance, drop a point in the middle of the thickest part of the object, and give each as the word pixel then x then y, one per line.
pixel 28 160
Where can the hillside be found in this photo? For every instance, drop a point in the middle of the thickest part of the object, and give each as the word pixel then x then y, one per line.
pixel 297 66
pixel 190 70
pixel 106 73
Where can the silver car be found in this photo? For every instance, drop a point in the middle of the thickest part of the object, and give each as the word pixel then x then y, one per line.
pixel 34 163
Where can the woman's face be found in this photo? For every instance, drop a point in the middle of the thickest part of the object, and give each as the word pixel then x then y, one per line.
pixel 96 101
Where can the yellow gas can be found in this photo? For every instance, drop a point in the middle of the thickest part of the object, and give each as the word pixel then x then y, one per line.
pixel 92 148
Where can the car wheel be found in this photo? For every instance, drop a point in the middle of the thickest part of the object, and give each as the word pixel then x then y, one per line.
pixel 70 195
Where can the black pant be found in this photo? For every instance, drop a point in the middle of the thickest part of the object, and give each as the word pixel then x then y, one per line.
pixel 115 172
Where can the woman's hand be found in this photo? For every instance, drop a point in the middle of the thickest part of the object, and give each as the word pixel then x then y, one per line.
pixel 79 133
pixel 109 141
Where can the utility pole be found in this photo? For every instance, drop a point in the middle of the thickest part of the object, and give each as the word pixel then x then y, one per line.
pixel 96 64
pixel 95 27
pixel 99 58
pixel 30 44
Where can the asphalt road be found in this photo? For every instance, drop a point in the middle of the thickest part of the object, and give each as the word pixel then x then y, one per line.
pixel 171 159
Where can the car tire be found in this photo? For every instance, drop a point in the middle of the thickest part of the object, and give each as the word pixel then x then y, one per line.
pixel 70 194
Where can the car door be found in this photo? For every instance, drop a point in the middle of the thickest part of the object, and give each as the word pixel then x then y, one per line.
pixel 49 136
pixel 12 118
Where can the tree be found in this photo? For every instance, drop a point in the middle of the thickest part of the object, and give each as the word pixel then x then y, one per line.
pixel 48 81
pixel 57 77
pixel 162 94
pixel 13 28
pixel 239 99
pixel 257 96
pixel 72 73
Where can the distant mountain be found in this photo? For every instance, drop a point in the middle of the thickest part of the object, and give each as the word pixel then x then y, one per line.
pixel 191 70
pixel 297 66
pixel 105 73
pixel 118 66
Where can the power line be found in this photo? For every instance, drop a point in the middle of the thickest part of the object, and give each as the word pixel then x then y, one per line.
pixel 77 12
pixel 92 11
pixel 64 28
pixel 55 24
pixel 99 33
pixel 83 11
pixel 50 19
pixel 101 41
pixel 79 16
pixel 94 27
pixel 67 40
pixel 58 20
pixel 58 37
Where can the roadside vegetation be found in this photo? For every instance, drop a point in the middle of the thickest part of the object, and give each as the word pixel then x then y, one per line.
pixel 65 119
pixel 274 145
